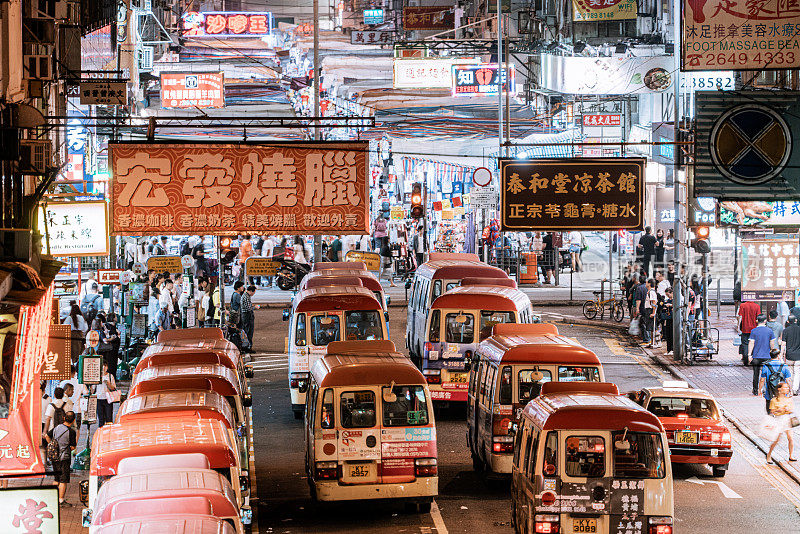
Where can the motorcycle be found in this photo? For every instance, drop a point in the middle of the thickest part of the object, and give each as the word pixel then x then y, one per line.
pixel 290 273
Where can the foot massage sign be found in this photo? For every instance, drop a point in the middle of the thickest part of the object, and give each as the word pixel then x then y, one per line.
pixel 740 34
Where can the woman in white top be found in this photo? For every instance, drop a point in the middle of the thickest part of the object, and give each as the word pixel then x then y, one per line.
pixel 76 321
pixel 575 246
pixel 105 407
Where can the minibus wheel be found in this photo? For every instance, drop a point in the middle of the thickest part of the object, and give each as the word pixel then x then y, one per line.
pixel 718 470
pixel 425 507
pixel 477 463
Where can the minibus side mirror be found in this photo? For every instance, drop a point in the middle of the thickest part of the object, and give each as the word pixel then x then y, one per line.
pixel 83 492
pixel 248 371
pixel 287 313
pixel 622 445
pixel 247 400
pixel 244 483
pixel 388 300
pixel 512 428
pixel 388 393
pixel 467 365
pixel 408 283
pixel 302 386
pixel 386 315
pixel 246 515
pixel 86 517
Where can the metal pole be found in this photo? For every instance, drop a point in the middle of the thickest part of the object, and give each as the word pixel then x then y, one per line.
pixel 317 136
pixel 677 290
pixel 499 73
pixel 719 297
pixel 610 264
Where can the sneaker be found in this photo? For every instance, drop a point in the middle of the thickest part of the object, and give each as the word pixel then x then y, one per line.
pixel 669 353
pixel 65 504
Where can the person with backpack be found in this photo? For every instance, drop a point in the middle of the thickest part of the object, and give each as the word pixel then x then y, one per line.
pixel 763 341
pixel 773 374
pixel 55 411
pixel 61 441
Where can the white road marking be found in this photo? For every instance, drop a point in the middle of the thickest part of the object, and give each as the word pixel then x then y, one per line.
pixel 438 522
pixel 726 490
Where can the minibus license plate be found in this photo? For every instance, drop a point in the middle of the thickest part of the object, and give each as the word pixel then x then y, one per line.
pixel 360 471
pixel 686 437
pixel 458 378
pixel 584 526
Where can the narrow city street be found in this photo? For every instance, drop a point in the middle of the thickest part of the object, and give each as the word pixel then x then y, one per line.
pixel 750 496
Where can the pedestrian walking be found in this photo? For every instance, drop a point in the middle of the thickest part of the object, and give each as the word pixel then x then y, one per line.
pixel 782 408
pixel 649 314
pixel 745 322
pixel 666 331
pixel 639 296
pixel 64 439
pixel 791 348
pixel 660 247
pixel 763 343
pixel 248 318
pixel 104 391
pixel 776 326
pixel 575 240
pixel 647 248
pixel 56 410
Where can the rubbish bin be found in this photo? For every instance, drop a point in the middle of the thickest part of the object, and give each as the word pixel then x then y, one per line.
pixel 528 271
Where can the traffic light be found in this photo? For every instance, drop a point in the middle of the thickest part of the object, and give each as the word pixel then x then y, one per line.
pixel 227 251
pixel 417 209
pixel 700 242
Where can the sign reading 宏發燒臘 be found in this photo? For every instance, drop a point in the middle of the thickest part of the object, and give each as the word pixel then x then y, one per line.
pixel 572 194
pixel 286 188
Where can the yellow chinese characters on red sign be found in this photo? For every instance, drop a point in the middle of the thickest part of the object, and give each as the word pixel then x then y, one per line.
pixel 572 194
pixel 213 189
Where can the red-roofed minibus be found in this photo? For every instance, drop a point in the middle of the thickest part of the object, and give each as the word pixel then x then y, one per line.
pixel 209 350
pixel 508 370
pixel 169 524
pixel 370 431
pixel 178 403
pixel 321 315
pixel 190 334
pixel 457 322
pixel 368 280
pixel 440 274
pixel 114 443
pixel 587 459
pixel 340 265
pixel 169 483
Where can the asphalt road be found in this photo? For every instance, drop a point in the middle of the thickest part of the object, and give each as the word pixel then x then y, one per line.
pixel 752 497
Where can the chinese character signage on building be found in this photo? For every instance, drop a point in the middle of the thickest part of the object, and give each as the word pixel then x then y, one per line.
pixel 367 37
pixel 770 269
pixel 29 509
pixel 285 188
pixel 745 145
pixel 197 90
pixel 572 194
pixel 602 120
pixel 428 18
pixel 75 228
pixel 104 92
pixel 256 266
pixel 741 34
pixel 471 80
pixel 618 75
pixel 165 264
pixel 373 16
pixel 426 73
pixel 56 364
pixel 109 276
pixel 600 10
pixel 226 24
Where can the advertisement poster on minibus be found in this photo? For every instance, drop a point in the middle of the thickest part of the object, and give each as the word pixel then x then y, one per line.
pixel 225 189
pixel 740 35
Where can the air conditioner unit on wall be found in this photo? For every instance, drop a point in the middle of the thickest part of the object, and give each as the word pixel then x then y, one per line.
pixel 146 58
pixel 35 155
pixel 37 67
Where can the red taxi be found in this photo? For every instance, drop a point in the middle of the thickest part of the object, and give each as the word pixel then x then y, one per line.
pixel 693 423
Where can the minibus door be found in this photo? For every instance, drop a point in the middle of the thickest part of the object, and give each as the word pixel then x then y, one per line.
pixel 586 478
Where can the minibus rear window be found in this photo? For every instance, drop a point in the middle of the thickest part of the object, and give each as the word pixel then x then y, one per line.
pixel 324 329
pixel 328 418
pixel 585 456
pixel 529 388
pixel 433 333
pixel 300 331
pixel 643 458
pixel 362 325
pixel 358 409
pixel 459 327
pixel 683 407
pixel 409 408
pixel 578 374
pixel 505 386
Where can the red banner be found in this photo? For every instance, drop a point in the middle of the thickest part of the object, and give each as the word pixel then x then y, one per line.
pixel 428 18
pixel 198 90
pixel 20 433
pixel 218 189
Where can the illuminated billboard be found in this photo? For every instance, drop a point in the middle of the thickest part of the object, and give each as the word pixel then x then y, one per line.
pixel 226 24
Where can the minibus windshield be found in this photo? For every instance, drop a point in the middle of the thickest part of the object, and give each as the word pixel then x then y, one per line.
pixel 459 327
pixel 683 407
pixel 491 318
pixel 362 325
pixel 585 456
pixel 643 459
pixel 529 388
pixel 578 374
pixel 324 329
pixel 408 409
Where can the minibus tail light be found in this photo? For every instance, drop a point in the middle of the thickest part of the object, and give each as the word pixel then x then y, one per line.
pixel 660 525
pixel 502 444
pixel 298 381
pixel 546 524
pixel 433 376
pixel 425 467
pixel 468 355
pixel 428 346
pixel 327 470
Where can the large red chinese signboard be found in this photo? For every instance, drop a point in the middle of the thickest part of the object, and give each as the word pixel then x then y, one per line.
pixel 283 188
pixel 196 90
pixel 428 18
pixel 771 269
pixel 20 432
pixel 572 194
pixel 226 24
pixel 741 34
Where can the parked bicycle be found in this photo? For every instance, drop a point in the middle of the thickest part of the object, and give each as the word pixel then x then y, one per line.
pixel 615 306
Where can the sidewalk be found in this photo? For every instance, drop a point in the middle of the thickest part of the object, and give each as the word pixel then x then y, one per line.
pixel 731 383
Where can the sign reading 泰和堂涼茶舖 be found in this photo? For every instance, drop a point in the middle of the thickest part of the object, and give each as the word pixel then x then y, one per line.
pixel 194 188
pixel 572 194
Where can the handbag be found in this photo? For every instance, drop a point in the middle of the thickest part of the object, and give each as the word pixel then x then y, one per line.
pixel 114 396
pixel 770 428
pixel 737 341
pixel 634 329
pixel 794 421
